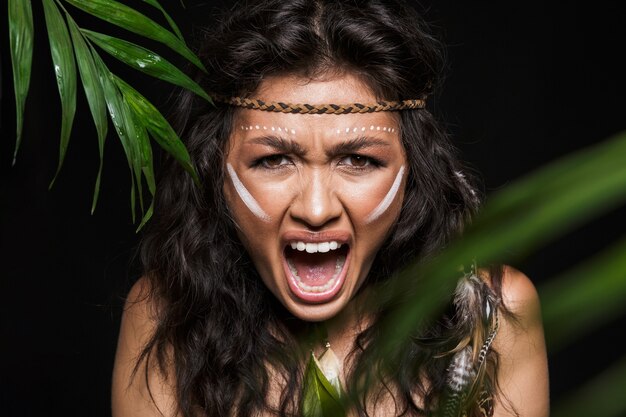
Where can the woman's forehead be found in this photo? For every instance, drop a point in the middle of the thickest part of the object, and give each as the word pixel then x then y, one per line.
pixel 335 89
pixel 252 122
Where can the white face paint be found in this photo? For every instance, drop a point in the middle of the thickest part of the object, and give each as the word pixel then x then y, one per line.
pixel 386 202
pixel 272 128
pixel 365 129
pixel 246 197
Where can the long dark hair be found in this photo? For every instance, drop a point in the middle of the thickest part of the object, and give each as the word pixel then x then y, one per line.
pixel 219 328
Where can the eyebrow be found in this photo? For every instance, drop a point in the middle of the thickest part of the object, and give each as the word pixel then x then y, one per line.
pixel 287 146
pixel 280 144
pixel 356 144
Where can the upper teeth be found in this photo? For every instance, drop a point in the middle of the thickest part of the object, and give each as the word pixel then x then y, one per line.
pixel 315 247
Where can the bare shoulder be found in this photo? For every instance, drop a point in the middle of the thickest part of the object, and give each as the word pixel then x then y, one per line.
pixel 520 343
pixel 520 295
pixel 146 392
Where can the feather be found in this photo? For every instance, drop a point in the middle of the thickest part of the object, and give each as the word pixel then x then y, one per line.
pixel 468 300
pixel 460 376
pixel 476 322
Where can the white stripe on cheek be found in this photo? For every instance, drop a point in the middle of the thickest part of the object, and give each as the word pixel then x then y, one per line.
pixel 246 197
pixel 386 202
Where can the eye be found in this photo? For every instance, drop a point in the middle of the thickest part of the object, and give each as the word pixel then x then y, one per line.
pixel 358 161
pixel 273 161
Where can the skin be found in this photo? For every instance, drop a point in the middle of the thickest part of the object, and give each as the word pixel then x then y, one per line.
pixel 316 190
pixel 314 181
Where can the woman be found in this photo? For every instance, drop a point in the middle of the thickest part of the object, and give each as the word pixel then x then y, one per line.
pixel 300 214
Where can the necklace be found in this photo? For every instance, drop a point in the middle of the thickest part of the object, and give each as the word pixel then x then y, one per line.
pixel 322 396
pixel 329 365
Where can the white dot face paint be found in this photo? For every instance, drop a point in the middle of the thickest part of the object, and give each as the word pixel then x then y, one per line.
pixel 274 129
pixel 246 197
pixel 388 199
pixel 380 129
pixel 319 186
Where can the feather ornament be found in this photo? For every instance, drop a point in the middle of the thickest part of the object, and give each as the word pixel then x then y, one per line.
pixel 461 375
pixel 476 318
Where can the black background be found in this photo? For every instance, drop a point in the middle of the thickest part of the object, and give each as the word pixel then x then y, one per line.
pixel 527 84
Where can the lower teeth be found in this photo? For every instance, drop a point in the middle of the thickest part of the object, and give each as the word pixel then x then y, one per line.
pixel 341 260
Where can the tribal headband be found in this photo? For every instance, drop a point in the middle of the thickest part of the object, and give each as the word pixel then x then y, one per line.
pixel 280 107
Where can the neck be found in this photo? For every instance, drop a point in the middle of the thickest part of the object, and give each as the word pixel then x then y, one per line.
pixel 342 329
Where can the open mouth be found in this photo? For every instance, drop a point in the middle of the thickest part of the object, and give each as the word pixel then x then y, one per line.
pixel 316 271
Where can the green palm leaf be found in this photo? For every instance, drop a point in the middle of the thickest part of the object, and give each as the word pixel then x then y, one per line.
pixel 145 60
pixel 125 17
pixel 21 43
pixel 147 167
pixel 65 71
pixel 170 21
pixel 94 94
pixel 158 127
pixel 124 126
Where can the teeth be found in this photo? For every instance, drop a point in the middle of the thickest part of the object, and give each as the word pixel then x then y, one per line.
pixel 341 260
pixel 315 247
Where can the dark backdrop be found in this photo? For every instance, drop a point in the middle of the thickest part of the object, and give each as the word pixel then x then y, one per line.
pixel 527 84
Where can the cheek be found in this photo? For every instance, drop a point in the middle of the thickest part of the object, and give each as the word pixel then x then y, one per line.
pixel 256 208
pixel 375 201
pixel 261 199
pixel 274 197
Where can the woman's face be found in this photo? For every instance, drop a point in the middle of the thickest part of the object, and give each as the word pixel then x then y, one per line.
pixel 314 196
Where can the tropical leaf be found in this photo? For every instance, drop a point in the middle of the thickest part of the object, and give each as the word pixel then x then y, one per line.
pixel 127 18
pixel 21 34
pixel 502 231
pixel 94 94
pixel 124 126
pixel 147 167
pixel 170 21
pixel 586 296
pixel 158 127
pixel 603 396
pixel 320 398
pixel 145 60
pixel 65 71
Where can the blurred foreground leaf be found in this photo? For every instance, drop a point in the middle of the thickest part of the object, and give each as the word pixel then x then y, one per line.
pixel 584 297
pixel 603 396
pixel 526 214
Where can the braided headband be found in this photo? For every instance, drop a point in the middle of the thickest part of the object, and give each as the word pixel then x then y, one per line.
pixel 280 107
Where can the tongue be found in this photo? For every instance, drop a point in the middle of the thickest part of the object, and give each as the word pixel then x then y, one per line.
pixel 314 268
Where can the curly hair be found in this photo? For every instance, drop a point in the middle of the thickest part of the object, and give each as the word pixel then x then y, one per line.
pixel 217 323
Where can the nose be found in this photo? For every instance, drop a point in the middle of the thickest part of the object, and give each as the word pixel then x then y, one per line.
pixel 316 203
